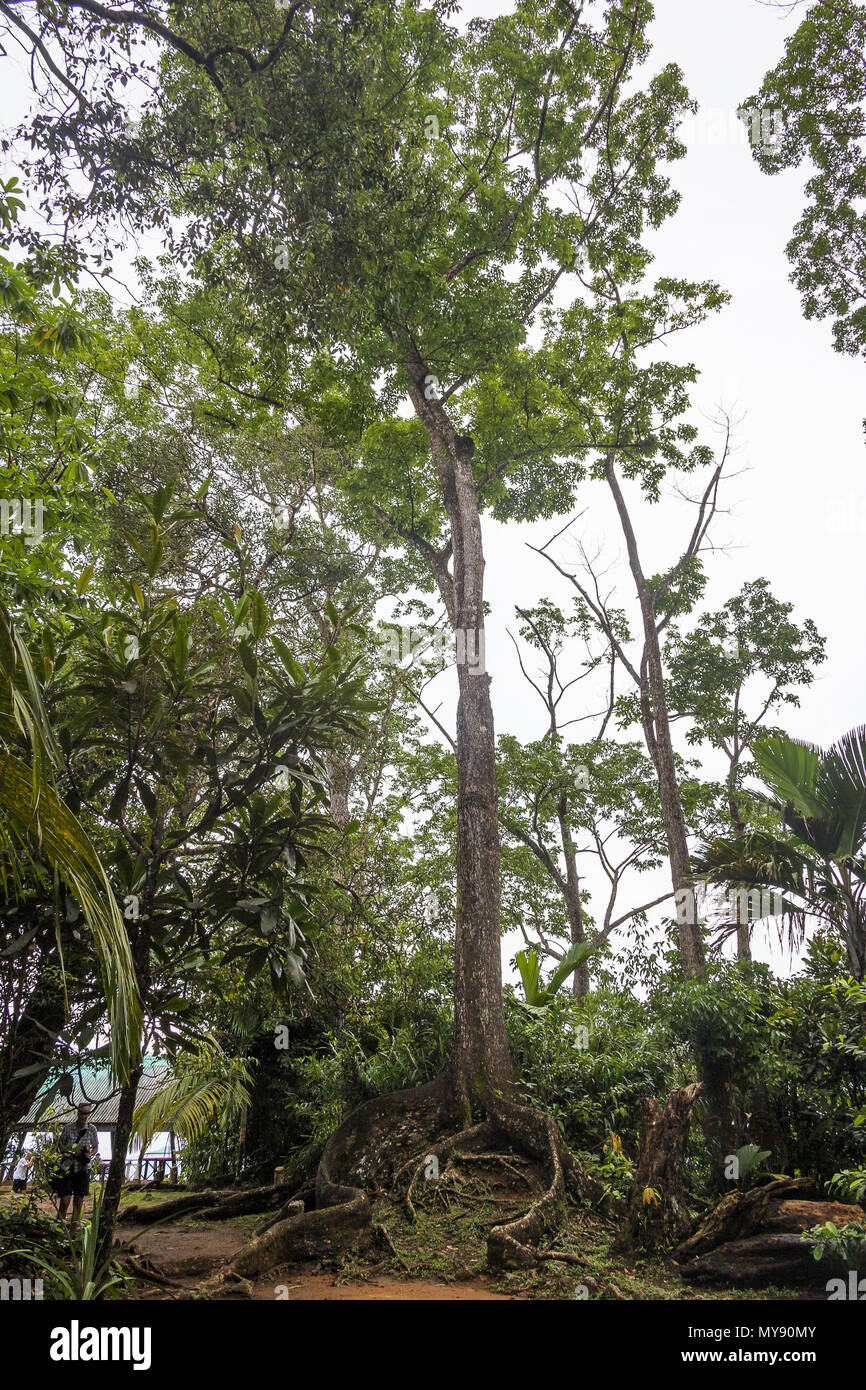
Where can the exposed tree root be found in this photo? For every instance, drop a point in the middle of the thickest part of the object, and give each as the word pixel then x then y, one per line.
pixel 302 1200
pixel 149 1274
pixel 363 1149
pixel 167 1211
pixel 386 1138
pixel 386 1238
pixel 740 1214
pixel 245 1203
pixel 217 1207
pixel 463 1142
pixel 534 1134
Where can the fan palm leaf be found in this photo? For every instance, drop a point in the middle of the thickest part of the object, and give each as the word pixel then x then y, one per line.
pixel 790 768
pixel 820 797
pixel 842 785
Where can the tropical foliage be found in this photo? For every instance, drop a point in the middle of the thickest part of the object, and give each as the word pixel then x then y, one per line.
pixel 816 858
pixel 267 811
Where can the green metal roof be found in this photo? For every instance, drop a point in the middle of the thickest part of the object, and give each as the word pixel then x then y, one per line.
pixel 93 1084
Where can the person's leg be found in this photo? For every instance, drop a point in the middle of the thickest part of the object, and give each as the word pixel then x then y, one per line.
pixel 77 1204
pixel 63 1208
pixel 80 1190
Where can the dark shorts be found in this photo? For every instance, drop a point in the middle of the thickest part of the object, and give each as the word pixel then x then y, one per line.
pixel 19 1184
pixel 71 1184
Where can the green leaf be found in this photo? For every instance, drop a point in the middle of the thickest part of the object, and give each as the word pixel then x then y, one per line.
pixel 154 559
pixel 579 952
pixel 161 499
pixel 790 768
pixel 259 616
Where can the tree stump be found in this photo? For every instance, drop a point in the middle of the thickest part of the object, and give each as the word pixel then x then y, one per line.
pixel 657 1214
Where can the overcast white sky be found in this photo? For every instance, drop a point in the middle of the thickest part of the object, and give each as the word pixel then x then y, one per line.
pixel 799 513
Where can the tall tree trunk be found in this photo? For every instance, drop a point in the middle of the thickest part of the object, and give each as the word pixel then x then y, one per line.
pixel 720 1120
pixel 242 1142
pixel 656 727
pixel 117 1166
pixel 339 775
pixel 723 1121
pixel 481 1059
pixel 744 944
pixel 580 978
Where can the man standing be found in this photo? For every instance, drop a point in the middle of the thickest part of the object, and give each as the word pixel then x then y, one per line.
pixel 78 1143
pixel 22 1172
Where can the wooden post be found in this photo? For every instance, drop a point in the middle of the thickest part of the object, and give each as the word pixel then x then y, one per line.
pixel 279 1177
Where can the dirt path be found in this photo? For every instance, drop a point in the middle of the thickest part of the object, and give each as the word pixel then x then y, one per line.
pixel 187 1252
pixel 172 1246
pixel 316 1288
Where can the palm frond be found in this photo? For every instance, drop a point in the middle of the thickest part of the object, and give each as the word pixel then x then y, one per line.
pixel 754 860
pixel 207 1088
pixel 791 769
pixel 842 785
pixel 44 820
pixel 578 953
pixel 536 996
pixel 530 971
pixel 25 707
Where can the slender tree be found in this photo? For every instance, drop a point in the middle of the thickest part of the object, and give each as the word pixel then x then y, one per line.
pixel 729 675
